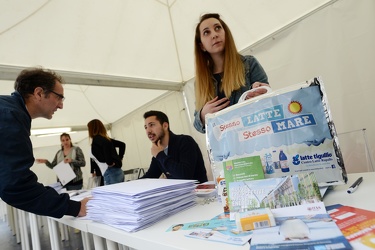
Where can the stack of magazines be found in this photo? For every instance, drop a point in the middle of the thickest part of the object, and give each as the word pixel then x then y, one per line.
pixel 135 205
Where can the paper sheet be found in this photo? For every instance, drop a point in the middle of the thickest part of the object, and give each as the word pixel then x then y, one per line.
pixel 64 172
pixel 102 165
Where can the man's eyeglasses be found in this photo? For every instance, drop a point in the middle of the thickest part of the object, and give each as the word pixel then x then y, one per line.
pixel 60 96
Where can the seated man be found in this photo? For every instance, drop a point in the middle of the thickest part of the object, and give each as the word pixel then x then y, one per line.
pixel 177 156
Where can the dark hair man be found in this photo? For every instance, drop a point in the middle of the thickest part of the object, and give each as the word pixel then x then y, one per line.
pixel 177 156
pixel 38 93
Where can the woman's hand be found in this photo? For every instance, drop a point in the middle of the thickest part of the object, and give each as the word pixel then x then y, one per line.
pixel 257 92
pixel 258 84
pixel 213 106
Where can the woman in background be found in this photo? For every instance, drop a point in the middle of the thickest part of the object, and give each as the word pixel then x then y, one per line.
pixel 103 150
pixel 95 170
pixel 72 155
pixel 222 74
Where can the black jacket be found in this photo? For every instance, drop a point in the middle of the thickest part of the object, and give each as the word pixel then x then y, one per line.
pixel 104 151
pixel 19 185
pixel 184 160
pixel 121 152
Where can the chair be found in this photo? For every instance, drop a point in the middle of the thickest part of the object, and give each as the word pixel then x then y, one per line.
pixel 356 151
pixel 133 174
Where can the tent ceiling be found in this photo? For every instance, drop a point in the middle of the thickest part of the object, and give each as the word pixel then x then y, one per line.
pixel 143 39
pixel 117 55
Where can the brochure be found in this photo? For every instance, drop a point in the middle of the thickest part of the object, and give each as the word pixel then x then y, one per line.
pixel 288 191
pixel 306 226
pixel 219 229
pixel 357 225
pixel 237 170
pixel 310 232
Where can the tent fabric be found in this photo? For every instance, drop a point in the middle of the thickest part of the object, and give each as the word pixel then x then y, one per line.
pixel 144 39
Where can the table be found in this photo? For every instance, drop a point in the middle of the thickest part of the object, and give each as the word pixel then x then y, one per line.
pixel 361 198
pixel 156 238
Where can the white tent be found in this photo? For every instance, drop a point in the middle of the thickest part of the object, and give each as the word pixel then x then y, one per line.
pixel 118 56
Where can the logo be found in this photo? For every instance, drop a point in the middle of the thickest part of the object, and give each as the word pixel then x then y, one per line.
pixel 296 160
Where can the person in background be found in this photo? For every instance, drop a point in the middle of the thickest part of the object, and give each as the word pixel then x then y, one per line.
pixel 95 170
pixel 103 150
pixel 72 155
pixel 176 156
pixel 38 93
pixel 222 74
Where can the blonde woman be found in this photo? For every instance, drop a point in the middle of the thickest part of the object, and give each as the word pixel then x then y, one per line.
pixel 222 74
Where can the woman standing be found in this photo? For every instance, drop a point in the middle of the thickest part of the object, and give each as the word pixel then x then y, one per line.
pixel 72 155
pixel 95 169
pixel 104 151
pixel 222 74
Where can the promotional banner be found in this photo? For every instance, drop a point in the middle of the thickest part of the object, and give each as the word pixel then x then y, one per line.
pixel 290 130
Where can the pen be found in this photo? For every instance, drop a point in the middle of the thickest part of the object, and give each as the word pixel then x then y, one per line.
pixel 355 185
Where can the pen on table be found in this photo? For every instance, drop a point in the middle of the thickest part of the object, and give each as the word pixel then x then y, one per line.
pixel 355 185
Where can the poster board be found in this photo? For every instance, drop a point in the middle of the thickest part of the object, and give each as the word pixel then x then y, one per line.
pixel 290 129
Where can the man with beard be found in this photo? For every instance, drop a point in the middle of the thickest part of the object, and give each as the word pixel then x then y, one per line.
pixel 175 156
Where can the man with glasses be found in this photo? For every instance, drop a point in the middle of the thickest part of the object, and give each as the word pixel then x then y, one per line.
pixel 38 93
pixel 60 96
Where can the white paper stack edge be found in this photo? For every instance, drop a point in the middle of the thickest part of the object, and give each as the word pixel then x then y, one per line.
pixel 135 205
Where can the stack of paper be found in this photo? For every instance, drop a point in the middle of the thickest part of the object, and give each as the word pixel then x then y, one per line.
pixel 135 205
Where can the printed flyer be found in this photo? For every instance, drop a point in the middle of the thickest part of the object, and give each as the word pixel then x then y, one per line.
pixel 243 169
pixel 219 229
pixel 357 225
pixel 300 232
pixel 288 191
pixel 290 130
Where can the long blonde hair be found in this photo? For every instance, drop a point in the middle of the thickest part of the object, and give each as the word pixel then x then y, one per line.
pixel 234 72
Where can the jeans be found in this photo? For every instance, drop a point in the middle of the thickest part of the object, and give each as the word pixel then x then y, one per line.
pixel 113 176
